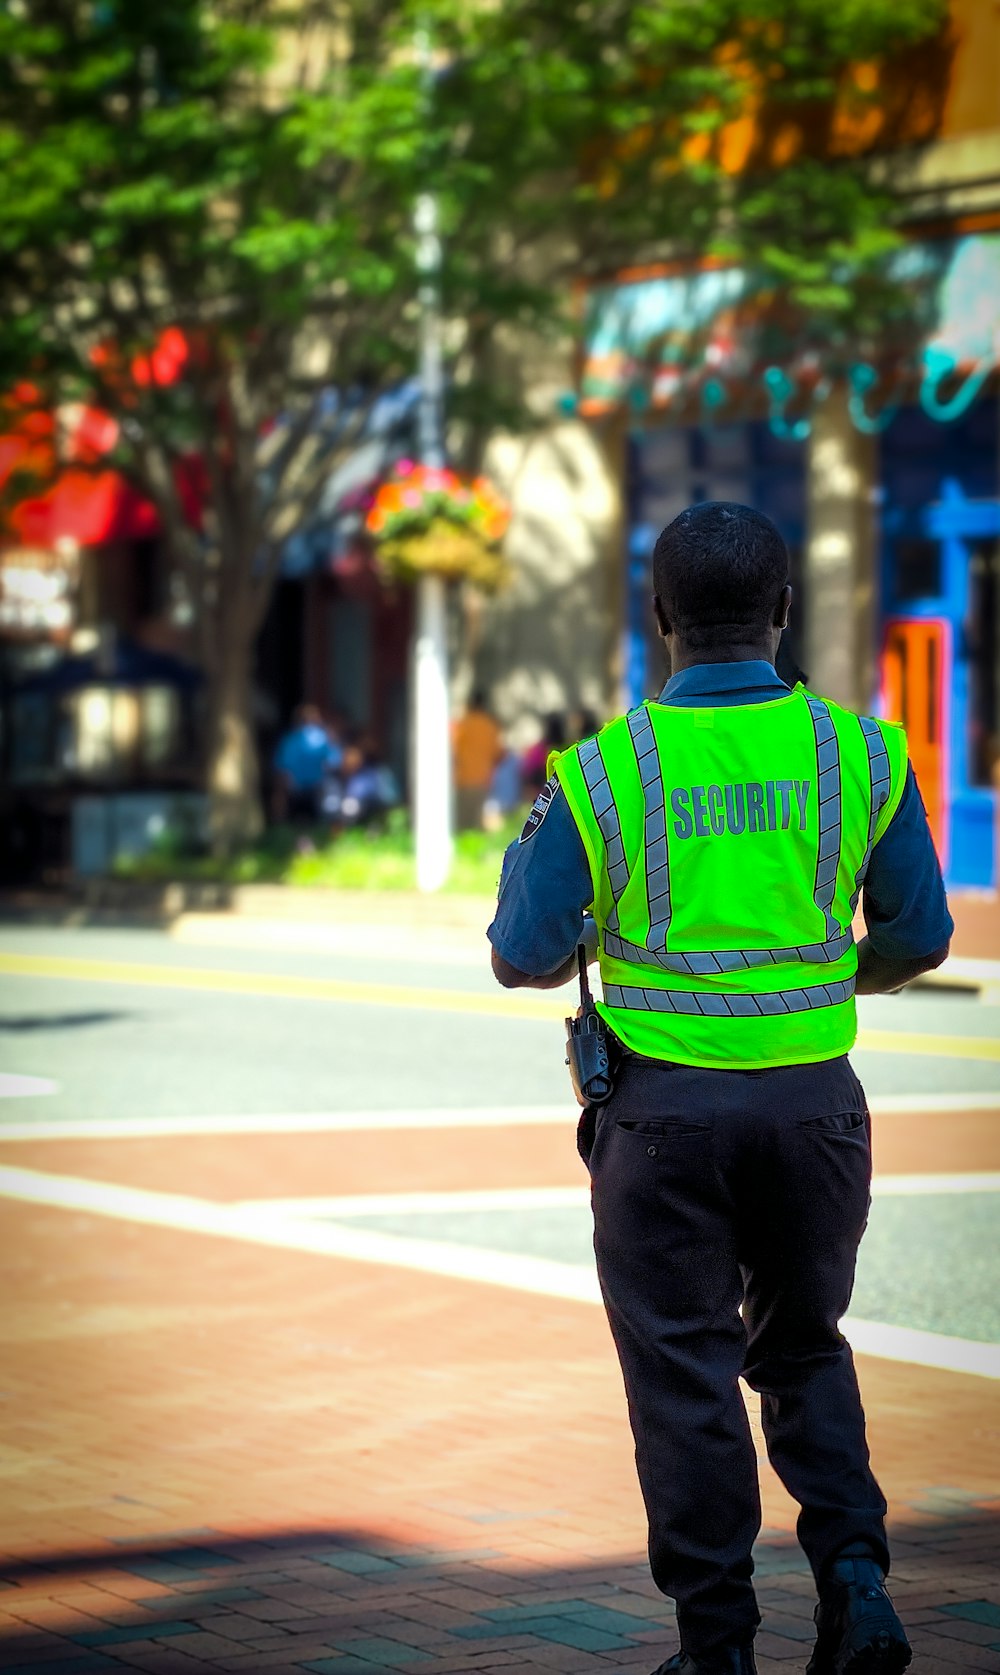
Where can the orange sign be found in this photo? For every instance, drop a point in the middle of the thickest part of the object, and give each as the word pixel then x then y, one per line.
pixel 916 670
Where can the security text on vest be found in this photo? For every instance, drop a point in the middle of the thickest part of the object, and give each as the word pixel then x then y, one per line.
pixel 711 810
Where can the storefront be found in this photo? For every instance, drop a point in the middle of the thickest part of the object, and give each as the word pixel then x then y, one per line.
pixel 721 405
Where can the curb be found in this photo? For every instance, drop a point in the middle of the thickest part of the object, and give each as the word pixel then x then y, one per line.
pixel 120 902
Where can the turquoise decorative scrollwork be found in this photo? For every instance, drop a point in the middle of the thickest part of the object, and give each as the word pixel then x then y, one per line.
pixel 861 378
pixel 779 390
pixel 713 396
pixel 940 364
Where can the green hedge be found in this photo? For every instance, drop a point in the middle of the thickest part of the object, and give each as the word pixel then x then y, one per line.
pixel 354 860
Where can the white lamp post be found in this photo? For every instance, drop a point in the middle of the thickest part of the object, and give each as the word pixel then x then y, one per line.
pixel 432 721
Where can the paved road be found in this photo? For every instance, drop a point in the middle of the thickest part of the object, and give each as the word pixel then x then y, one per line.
pixel 128 1025
pixel 133 1022
pixel 298 1241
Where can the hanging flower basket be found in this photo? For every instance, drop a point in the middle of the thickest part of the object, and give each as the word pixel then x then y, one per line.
pixel 427 522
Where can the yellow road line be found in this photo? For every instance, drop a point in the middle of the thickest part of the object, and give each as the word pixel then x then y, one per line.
pixel 279 985
pixel 929 1046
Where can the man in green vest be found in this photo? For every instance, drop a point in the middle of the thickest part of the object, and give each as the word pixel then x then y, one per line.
pixel 710 848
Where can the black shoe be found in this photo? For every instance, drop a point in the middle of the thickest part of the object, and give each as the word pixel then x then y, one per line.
pixel 729 1660
pixel 857 1629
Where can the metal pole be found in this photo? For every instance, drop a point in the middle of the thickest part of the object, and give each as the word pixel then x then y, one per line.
pixel 432 719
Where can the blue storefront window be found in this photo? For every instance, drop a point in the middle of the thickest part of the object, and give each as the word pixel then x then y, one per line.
pixel 940 564
pixel 940 571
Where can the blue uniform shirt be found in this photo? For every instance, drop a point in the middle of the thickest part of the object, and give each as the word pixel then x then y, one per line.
pixel 545 887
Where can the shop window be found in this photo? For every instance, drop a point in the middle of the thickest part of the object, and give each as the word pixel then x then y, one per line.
pixel 161 726
pixel 983 643
pixel 103 734
pixel 31 738
pixel 918 569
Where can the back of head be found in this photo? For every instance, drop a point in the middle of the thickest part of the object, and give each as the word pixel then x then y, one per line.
pixel 718 571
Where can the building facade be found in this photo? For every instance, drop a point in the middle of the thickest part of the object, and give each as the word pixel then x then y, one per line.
pixel 882 472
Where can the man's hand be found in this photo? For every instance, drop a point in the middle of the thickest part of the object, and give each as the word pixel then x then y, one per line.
pixel 878 976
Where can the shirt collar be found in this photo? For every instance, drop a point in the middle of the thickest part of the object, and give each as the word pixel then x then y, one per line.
pixel 705 680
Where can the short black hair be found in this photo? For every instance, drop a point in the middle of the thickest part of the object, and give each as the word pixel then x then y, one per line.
pixel 718 570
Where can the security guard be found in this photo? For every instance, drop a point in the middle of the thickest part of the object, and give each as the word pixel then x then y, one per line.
pixel 721 837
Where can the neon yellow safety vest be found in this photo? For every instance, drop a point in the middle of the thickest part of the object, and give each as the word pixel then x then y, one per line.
pixel 727 849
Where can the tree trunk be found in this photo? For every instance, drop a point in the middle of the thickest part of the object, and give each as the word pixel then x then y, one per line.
pixel 232 777
pixel 840 557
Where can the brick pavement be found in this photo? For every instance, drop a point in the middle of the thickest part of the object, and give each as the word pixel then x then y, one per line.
pixel 977 923
pixel 218 1456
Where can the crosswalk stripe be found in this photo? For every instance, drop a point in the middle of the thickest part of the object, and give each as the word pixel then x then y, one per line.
pixel 536 1275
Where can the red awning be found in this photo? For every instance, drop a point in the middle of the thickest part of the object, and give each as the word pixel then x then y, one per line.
pixel 86 507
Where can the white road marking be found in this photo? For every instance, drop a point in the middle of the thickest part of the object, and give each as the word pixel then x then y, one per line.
pixel 922 1349
pixel 197 1215
pixel 532 1274
pixel 426 1203
pixel 915 1186
pixel 554 1198
pixel 25 1087
pixel 342 1122
pixel 292 1122
pixel 885 1104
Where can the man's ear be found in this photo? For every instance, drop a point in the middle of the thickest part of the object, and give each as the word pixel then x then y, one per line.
pixel 783 607
pixel 662 620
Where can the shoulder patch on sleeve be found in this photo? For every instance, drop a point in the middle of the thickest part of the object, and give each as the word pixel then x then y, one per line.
pixel 539 809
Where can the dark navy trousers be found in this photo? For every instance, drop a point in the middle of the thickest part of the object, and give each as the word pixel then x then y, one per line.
pixel 728 1209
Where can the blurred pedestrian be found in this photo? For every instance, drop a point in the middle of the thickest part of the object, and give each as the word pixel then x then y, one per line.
pixel 722 835
pixel 477 746
pixel 505 793
pixel 536 756
pixel 581 724
pixel 305 757
pixel 369 785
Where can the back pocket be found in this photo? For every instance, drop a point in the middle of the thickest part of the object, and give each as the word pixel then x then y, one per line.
pixel 662 1128
pixel 835 1122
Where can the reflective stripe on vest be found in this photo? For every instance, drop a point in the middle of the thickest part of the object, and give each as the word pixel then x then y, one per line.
pixel 655 828
pixel 779 1003
pixel 595 776
pixel 654 951
pixel 828 855
pixel 880 780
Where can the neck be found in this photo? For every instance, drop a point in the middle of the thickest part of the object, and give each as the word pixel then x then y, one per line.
pixel 683 656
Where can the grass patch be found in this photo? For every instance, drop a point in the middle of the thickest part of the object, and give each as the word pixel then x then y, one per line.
pixel 354 860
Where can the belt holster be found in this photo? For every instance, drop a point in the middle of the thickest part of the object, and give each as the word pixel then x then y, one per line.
pixel 587 1048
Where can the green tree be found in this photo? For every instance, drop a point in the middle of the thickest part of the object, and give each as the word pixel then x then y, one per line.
pixel 246 172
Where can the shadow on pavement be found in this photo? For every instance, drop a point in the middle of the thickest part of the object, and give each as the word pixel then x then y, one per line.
pixel 29 1023
pixel 350 1602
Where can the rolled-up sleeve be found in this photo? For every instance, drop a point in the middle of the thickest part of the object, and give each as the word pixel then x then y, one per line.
pixel 545 889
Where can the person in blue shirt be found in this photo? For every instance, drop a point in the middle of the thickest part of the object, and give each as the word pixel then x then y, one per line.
pixel 304 761
pixel 734 1231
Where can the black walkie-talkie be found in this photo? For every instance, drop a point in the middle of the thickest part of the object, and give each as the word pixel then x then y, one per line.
pixel 587 1047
